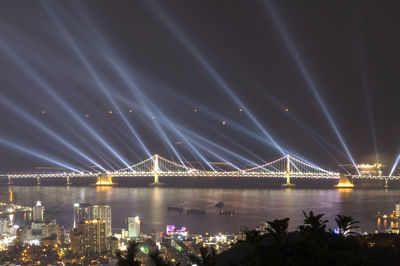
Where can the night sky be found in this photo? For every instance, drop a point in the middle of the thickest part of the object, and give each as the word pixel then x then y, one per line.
pixel 96 78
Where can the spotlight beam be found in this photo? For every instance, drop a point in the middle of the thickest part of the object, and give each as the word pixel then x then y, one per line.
pixel 306 75
pixel 127 78
pixel 46 130
pixel 178 33
pixel 36 154
pixel 43 85
pixel 96 77
pixel 182 136
pixel 205 140
pixel 394 165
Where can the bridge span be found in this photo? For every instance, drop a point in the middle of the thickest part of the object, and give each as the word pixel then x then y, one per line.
pixel 286 167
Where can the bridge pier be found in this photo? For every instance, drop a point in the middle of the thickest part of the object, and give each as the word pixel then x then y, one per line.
pixel 386 184
pixel 38 180
pixel 104 180
pixel 156 179
pixel 68 181
pixel 344 182
pixel 9 180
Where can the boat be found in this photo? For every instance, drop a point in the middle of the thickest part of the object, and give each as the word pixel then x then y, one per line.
pixel 196 212
pixel 219 205
pixel 172 208
pixel 226 212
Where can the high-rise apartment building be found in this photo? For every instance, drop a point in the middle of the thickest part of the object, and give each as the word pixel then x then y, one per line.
pixel 102 212
pixel 81 213
pixel 87 211
pixel 89 237
pixel 38 213
pixel 3 226
pixel 133 227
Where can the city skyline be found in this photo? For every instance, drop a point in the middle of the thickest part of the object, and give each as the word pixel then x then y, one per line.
pixel 200 132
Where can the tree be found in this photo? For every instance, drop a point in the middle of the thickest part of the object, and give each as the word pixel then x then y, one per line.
pixel 252 236
pixel 130 257
pixel 157 259
pixel 313 224
pixel 346 224
pixel 278 228
pixel 208 256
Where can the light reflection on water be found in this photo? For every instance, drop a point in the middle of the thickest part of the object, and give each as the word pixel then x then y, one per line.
pixel 251 206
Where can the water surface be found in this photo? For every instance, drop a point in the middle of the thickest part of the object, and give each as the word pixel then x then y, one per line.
pixel 252 206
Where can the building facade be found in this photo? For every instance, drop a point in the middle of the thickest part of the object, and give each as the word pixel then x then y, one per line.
pixel 102 212
pixel 81 213
pixel 133 227
pixel 89 237
pixel 87 211
pixel 3 226
pixel 38 213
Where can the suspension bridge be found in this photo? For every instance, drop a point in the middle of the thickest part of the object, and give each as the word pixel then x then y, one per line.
pixel 286 167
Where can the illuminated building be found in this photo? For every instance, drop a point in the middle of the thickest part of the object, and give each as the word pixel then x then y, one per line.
pixel 87 211
pixel 20 237
pixel 37 212
pixel 398 209
pixel 263 228
pixel 3 226
pixel 114 245
pixel 52 229
pixel 102 212
pixel 172 230
pixel 90 236
pixel 370 169
pixel 49 240
pixel 34 231
pixel 74 237
pixel 133 227
pixel 81 212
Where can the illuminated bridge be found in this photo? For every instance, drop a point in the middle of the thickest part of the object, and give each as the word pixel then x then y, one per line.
pixel 157 166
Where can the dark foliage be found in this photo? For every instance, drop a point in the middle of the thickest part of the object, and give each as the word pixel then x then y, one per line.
pixel 130 257
pixel 157 259
pixel 208 256
pixel 312 245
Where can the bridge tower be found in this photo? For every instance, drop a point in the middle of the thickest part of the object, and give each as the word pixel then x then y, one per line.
pixel 156 169
pixel 38 180
pixel 288 171
pixel 68 181
pixel 380 175
pixel 9 180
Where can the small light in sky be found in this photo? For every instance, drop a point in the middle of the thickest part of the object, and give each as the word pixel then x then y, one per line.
pixel 240 110
pixel 286 109
pixel 178 143
pixel 195 110
pixel 87 115
pixel 130 110
pixel 110 112
pixel 43 112
pixel 223 123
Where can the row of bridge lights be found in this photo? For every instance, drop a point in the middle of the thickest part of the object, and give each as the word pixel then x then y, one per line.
pixel 193 171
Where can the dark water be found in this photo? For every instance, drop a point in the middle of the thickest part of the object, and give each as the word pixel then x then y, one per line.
pixel 252 206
